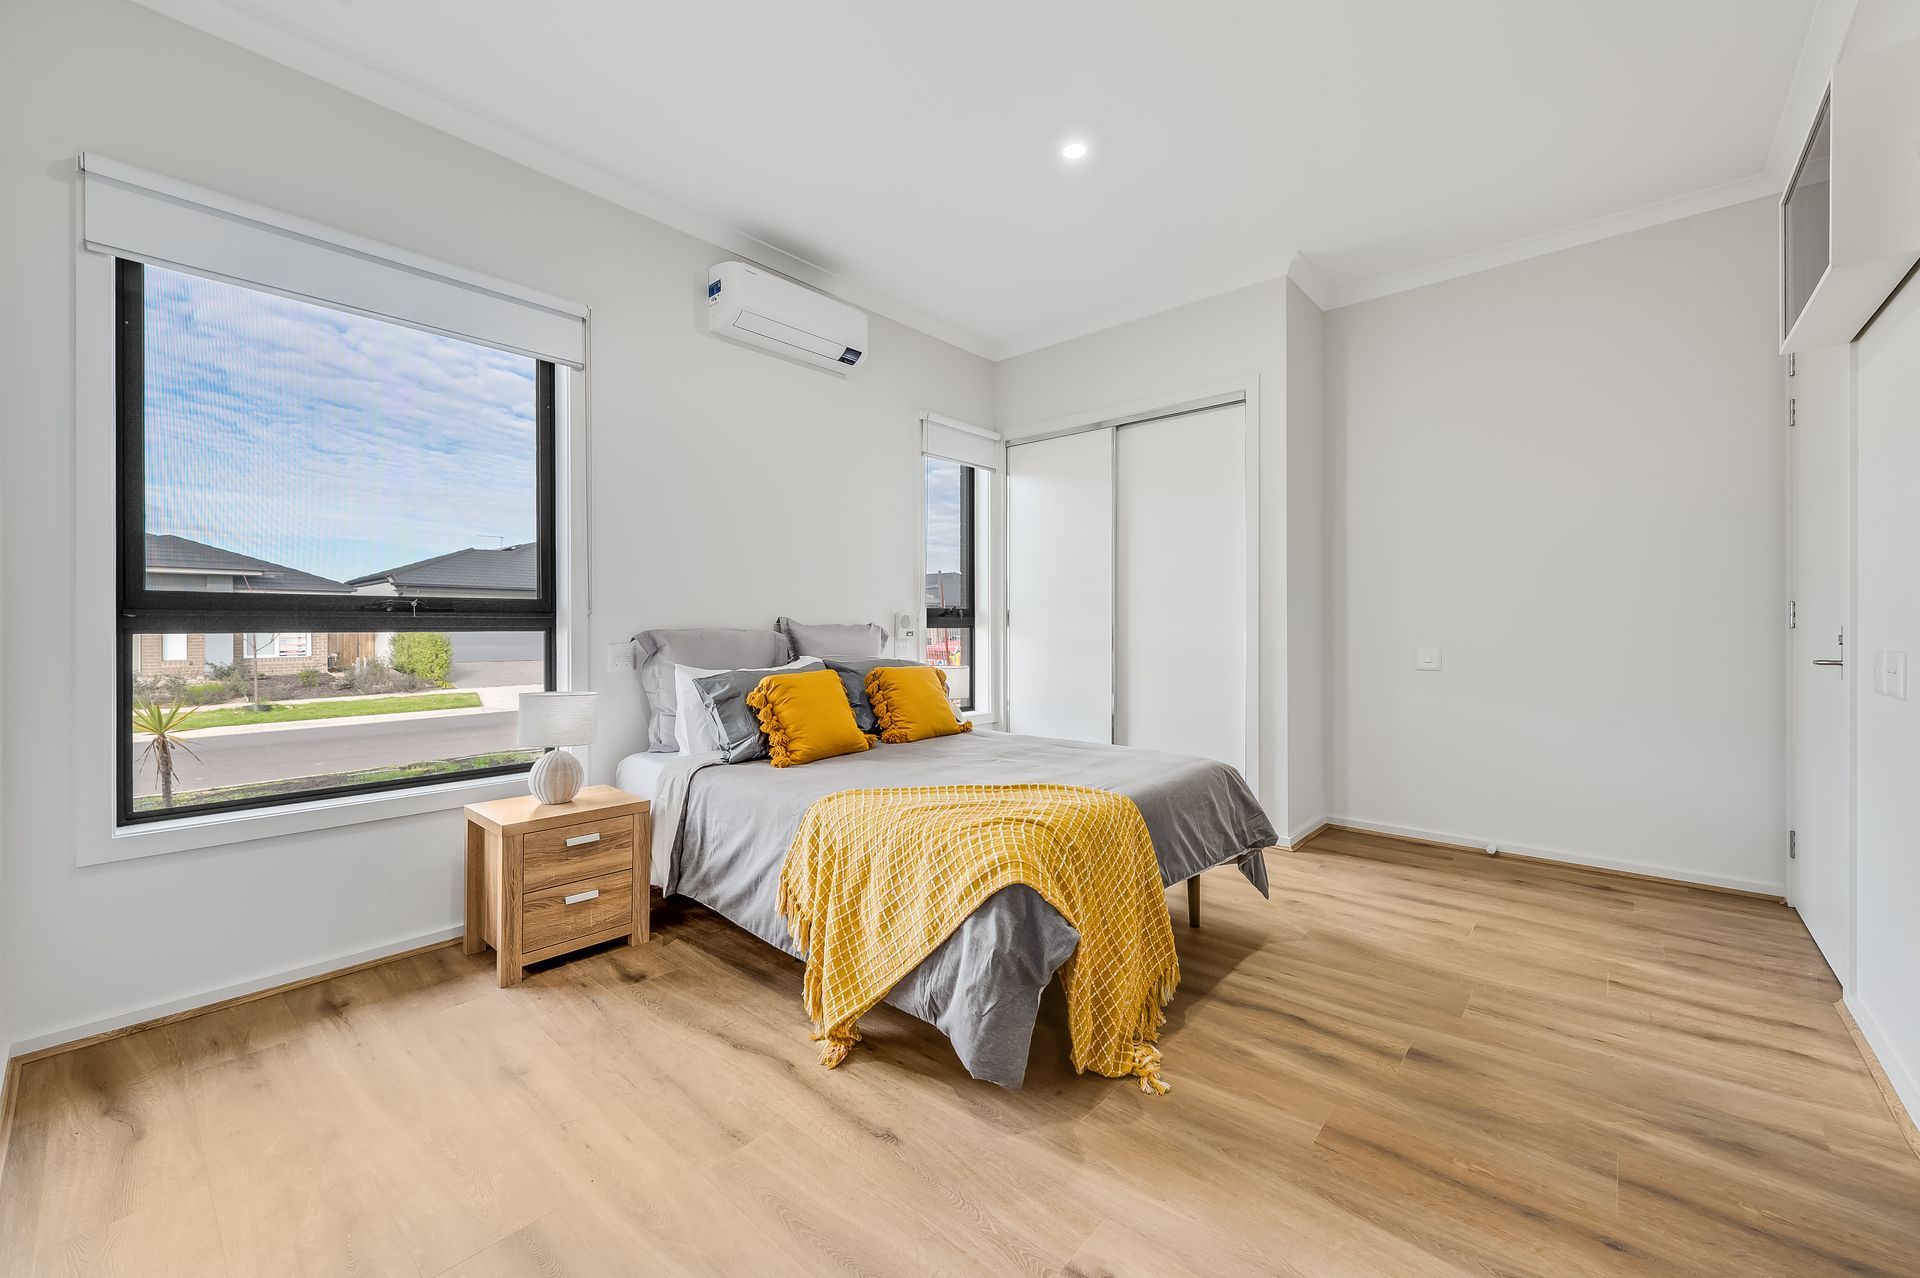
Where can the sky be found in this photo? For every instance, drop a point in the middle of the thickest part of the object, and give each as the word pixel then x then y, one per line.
pixel 943 515
pixel 325 441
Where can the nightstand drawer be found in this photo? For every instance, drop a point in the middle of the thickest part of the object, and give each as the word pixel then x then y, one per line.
pixel 575 852
pixel 570 912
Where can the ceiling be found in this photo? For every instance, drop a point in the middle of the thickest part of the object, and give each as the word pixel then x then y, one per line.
pixel 906 156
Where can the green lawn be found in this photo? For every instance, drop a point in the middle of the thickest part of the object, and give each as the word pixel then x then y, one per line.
pixel 293 711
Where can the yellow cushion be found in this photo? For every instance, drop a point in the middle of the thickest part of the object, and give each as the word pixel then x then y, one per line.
pixel 910 704
pixel 806 717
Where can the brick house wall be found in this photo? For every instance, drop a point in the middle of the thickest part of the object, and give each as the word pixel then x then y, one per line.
pixel 154 665
pixel 316 658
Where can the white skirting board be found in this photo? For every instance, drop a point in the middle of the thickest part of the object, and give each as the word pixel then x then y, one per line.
pixel 1904 1081
pixel 136 1016
pixel 1900 1073
pixel 1763 887
pixel 1302 832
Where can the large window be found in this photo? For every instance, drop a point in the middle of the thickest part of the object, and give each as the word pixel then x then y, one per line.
pixel 336 549
pixel 952 579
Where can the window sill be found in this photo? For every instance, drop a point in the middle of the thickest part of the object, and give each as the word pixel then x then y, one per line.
pixel 190 833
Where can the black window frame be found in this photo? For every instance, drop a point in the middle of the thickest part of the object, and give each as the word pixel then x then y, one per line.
pixel 141 610
pixel 963 617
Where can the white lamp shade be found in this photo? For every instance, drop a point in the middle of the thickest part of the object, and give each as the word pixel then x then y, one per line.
pixel 557 718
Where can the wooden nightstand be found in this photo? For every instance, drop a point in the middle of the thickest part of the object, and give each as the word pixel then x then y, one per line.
pixel 546 880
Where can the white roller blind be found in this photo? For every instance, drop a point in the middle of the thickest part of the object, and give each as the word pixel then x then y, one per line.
pixel 134 214
pixel 959 442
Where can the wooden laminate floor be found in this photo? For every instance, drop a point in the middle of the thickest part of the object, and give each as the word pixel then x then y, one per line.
pixel 1409 1062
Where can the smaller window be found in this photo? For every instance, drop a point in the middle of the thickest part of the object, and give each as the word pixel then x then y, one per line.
pixel 280 643
pixel 173 647
pixel 951 579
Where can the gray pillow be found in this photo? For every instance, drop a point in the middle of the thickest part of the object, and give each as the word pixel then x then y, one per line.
pixel 657 652
pixel 851 642
pixel 853 677
pixel 726 695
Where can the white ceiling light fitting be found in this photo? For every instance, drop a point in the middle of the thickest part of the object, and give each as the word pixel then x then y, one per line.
pixel 1074 151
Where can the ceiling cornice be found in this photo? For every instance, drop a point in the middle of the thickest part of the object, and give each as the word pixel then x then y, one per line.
pixel 1317 287
pixel 236 27
pixel 1330 295
pixel 1826 36
pixel 1141 307
pixel 1600 228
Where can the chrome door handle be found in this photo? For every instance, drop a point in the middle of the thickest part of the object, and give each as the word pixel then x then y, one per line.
pixel 577 840
pixel 1840 660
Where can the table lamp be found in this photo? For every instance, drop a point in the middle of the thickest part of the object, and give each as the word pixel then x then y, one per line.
pixel 548 721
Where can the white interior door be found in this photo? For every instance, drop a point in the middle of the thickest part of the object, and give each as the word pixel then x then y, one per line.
pixel 1820 568
pixel 1181 585
pixel 1060 587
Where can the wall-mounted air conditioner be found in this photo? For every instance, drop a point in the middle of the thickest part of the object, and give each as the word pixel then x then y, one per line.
pixel 748 304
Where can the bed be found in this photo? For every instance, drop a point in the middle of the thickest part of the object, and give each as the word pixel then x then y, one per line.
pixel 721 831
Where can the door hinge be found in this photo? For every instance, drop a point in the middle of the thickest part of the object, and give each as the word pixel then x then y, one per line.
pixel 1793 615
pixel 1793 845
pixel 1793 412
pixel 1791 370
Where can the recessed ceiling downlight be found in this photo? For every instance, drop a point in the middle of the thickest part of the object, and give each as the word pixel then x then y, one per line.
pixel 1074 151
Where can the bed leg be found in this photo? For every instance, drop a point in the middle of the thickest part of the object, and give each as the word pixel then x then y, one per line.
pixel 1193 901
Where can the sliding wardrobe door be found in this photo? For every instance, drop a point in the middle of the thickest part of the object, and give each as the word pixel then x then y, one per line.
pixel 1060 587
pixel 1181 606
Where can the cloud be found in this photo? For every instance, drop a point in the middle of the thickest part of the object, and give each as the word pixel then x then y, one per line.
pixel 943 515
pixel 329 442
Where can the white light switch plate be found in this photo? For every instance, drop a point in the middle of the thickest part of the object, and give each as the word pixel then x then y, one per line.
pixel 1890 674
pixel 1426 658
pixel 619 656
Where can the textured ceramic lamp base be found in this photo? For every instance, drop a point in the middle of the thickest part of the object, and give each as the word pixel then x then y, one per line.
pixel 556 777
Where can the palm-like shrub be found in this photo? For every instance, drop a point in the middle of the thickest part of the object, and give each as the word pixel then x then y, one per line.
pixel 164 725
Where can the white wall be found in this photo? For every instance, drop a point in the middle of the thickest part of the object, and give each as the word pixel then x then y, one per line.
pixel 1221 339
pixel 697 445
pixel 1567 474
pixel 1887 740
pixel 1306 548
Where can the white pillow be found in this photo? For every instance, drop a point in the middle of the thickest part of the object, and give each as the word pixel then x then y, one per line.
pixel 695 730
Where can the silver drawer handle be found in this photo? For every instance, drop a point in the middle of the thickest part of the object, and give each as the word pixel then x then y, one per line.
pixel 578 897
pixel 579 839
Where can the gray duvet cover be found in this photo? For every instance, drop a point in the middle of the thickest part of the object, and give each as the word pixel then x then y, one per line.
pixel 724 829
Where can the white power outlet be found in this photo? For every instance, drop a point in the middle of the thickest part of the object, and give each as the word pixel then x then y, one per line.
pixel 620 656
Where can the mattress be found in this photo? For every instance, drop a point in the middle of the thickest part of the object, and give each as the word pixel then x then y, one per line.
pixel 639 775
pixel 720 833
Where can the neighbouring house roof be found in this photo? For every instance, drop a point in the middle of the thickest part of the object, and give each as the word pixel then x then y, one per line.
pixel 505 568
pixel 168 553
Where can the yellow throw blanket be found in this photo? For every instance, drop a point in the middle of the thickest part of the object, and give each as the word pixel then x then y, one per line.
pixel 877 879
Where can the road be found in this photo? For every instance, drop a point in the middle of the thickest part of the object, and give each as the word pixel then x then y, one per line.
pixel 270 755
